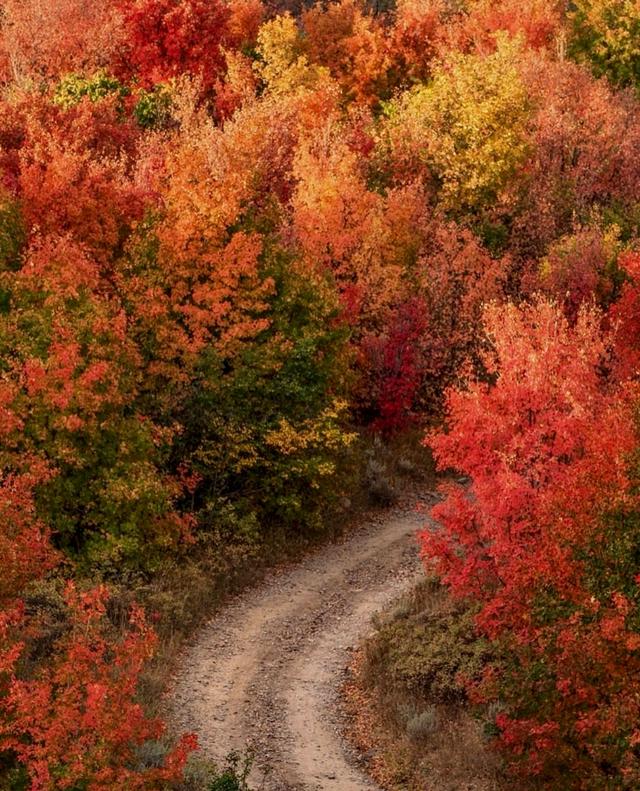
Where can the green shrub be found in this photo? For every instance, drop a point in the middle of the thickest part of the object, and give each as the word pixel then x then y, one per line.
pixel 12 235
pixel 425 651
pixel 153 107
pixel 234 775
pixel 73 88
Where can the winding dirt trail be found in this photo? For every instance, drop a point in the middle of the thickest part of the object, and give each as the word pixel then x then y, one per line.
pixel 266 671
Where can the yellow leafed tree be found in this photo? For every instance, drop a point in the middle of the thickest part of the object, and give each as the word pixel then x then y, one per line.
pixel 467 127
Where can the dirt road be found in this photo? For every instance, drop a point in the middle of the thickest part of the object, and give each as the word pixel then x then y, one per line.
pixel 266 671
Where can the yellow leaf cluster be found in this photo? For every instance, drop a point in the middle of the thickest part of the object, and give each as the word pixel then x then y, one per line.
pixel 284 66
pixel 323 432
pixel 468 125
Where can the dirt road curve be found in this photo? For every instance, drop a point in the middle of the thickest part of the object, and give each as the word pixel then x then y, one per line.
pixel 266 671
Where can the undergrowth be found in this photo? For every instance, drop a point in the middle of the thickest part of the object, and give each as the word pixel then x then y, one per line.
pixel 406 698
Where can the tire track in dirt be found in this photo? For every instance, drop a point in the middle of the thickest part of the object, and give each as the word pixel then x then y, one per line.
pixel 267 670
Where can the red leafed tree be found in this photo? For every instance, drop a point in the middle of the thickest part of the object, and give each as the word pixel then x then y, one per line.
pixel 394 366
pixel 584 141
pixel 76 721
pixel 430 337
pixel 624 318
pixel 569 665
pixel 245 18
pixel 71 170
pixel 536 21
pixel 513 439
pixel 24 539
pixel 74 718
pixel 548 448
pixel 457 277
pixel 167 38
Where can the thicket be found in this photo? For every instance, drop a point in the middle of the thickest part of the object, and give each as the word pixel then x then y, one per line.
pixel 230 239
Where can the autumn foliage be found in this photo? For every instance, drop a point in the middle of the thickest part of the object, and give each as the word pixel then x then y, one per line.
pixel 539 540
pixel 233 235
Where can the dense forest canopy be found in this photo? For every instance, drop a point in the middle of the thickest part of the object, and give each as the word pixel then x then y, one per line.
pixel 233 235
